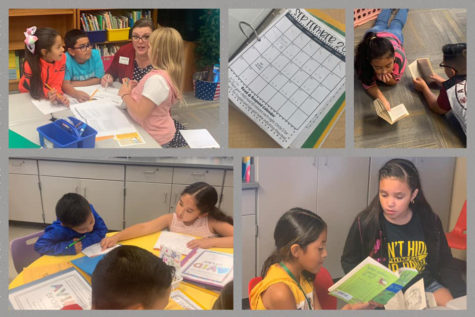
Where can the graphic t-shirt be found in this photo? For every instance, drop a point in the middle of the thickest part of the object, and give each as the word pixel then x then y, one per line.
pixel 407 248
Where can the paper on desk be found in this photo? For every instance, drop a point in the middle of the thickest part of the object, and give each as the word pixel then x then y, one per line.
pixel 199 139
pixel 175 241
pixel 184 301
pixel 105 118
pixel 46 107
pixel 109 94
pixel 31 274
pixel 96 249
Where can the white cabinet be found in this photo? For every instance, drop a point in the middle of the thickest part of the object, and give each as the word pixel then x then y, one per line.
pixel 24 196
pixel 248 238
pixel 227 201
pixel 148 193
pixel 106 196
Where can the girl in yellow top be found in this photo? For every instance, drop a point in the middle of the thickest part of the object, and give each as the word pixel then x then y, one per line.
pixel 288 273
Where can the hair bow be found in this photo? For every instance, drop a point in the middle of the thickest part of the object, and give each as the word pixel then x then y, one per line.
pixel 30 39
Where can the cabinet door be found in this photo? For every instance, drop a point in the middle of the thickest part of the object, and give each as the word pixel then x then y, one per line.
pixel 284 183
pixel 177 189
pixel 146 201
pixel 341 194
pixel 227 201
pixel 107 197
pixel 248 238
pixel 24 198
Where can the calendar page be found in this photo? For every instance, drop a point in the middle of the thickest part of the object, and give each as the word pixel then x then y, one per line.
pixel 290 77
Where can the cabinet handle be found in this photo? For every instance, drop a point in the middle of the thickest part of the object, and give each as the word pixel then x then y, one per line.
pixel 85 192
pixel 198 174
pixel 77 189
pixel 18 163
pixel 165 200
pixel 150 172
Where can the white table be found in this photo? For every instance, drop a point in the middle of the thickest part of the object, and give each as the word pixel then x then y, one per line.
pixel 24 118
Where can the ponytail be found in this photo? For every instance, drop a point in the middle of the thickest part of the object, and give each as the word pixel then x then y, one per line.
pixel 371 47
pixel 272 259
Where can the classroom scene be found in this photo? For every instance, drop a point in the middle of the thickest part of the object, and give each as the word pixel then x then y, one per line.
pixel 410 78
pixel 354 233
pixel 286 78
pixel 121 233
pixel 114 78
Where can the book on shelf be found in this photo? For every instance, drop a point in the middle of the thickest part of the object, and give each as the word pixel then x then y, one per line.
pixel 371 281
pixel 395 114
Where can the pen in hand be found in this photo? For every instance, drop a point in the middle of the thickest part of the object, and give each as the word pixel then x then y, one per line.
pixel 74 242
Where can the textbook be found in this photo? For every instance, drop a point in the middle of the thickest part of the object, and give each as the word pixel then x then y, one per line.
pixel 52 292
pixel 208 267
pixel 421 67
pixel 414 298
pixel 395 114
pixel 289 77
pixel 371 281
pixel 174 241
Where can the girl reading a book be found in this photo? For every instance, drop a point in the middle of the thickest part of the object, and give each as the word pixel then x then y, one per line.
pixel 149 102
pixel 399 229
pixel 287 275
pixel 45 64
pixel 380 55
pixel 195 214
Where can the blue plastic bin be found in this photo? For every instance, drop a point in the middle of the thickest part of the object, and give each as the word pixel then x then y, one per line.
pixel 97 36
pixel 63 134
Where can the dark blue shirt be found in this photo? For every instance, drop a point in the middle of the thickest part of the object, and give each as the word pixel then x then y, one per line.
pixel 57 237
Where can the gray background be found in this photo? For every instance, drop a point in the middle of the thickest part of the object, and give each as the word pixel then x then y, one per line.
pixel 237 153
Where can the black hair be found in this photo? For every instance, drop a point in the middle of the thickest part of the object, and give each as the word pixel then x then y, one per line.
pixel 296 226
pixel 46 38
pixel 405 171
pixel 456 56
pixel 225 299
pixel 72 36
pixel 206 198
pixel 72 210
pixel 371 47
pixel 129 275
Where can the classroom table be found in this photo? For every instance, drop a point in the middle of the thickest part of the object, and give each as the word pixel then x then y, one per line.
pixel 24 118
pixel 47 265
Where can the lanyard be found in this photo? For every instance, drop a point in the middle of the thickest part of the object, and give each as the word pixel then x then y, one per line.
pixel 286 269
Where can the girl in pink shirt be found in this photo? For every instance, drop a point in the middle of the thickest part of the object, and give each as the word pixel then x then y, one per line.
pixel 195 214
pixel 149 101
pixel 380 55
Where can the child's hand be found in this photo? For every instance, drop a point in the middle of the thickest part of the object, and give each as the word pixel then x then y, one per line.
pixel 63 99
pixel 78 246
pixel 204 243
pixel 126 87
pixel 386 78
pixel 419 84
pixel 82 96
pixel 107 80
pixel 386 104
pixel 52 96
pixel 358 306
pixel 437 79
pixel 108 242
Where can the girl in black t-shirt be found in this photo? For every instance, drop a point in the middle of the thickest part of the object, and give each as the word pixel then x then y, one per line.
pixel 399 229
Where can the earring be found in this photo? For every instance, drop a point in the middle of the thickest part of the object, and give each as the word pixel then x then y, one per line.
pixel 412 201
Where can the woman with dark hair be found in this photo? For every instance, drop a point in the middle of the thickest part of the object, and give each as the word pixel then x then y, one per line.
pixel 132 60
pixel 195 214
pixel 300 238
pixel 399 229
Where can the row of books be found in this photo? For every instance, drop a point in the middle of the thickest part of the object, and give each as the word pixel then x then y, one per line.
pixel 15 64
pixel 105 20
pixel 107 49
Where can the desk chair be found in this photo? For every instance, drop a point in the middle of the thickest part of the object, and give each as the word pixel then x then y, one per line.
pixel 457 238
pixel 23 250
pixel 322 282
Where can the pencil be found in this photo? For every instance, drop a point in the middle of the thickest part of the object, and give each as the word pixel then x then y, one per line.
pixel 73 243
pixel 49 87
pixel 92 95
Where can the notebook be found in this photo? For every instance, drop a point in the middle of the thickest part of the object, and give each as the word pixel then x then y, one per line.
pixel 87 264
pixel 290 80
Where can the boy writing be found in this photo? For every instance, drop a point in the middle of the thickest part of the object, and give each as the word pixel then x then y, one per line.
pixel 84 65
pixel 77 226
pixel 452 99
pixel 130 277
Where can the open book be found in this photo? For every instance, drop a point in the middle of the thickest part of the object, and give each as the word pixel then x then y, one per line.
pixel 421 67
pixel 395 114
pixel 174 241
pixel 371 281
pixel 414 298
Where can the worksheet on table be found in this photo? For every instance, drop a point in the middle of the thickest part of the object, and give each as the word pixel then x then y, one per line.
pixel 289 78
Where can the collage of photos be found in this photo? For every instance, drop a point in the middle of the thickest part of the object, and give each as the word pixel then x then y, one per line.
pixel 335 214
